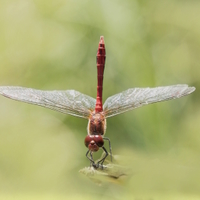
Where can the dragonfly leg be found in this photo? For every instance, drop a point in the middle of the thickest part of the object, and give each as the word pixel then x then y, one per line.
pixel 105 138
pixel 90 158
pixel 100 162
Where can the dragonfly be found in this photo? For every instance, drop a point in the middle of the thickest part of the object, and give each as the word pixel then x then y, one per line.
pixel 80 105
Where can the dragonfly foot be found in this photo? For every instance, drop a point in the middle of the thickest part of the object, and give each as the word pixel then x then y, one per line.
pixel 98 166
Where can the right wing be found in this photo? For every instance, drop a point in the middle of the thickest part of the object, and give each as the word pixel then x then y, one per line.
pixel 68 102
pixel 137 97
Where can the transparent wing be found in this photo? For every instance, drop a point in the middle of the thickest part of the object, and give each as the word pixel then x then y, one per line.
pixel 137 97
pixel 68 102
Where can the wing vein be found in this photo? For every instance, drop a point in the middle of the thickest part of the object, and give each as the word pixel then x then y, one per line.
pixel 137 97
pixel 68 102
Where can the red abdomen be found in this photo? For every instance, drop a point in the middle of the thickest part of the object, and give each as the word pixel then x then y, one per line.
pixel 101 57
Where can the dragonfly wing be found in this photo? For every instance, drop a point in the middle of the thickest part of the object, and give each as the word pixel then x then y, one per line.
pixel 137 97
pixel 69 102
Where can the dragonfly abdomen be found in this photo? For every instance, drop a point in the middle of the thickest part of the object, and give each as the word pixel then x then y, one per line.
pixel 101 57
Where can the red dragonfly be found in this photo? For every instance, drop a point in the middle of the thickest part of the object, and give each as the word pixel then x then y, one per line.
pixel 80 105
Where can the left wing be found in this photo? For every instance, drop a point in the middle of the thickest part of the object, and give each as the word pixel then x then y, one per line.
pixel 137 97
pixel 69 101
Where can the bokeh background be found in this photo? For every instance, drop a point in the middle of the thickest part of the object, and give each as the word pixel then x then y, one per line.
pixel 52 45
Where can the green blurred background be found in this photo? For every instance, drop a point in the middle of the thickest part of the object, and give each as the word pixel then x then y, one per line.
pixel 52 45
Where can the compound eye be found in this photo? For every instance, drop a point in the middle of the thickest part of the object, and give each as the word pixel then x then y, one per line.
pixel 88 140
pixel 90 143
pixel 99 140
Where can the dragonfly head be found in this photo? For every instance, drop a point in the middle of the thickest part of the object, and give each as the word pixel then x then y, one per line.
pixel 93 142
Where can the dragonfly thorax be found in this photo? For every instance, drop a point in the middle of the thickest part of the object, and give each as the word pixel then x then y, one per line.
pixel 96 124
pixel 96 129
